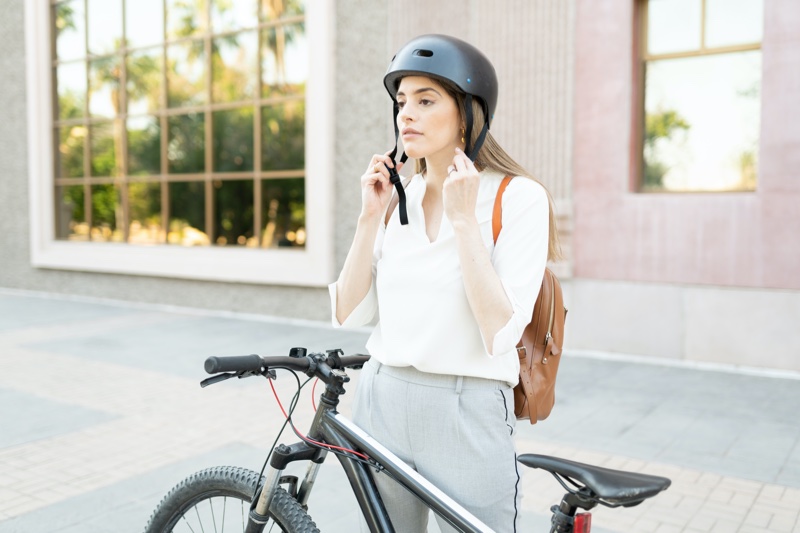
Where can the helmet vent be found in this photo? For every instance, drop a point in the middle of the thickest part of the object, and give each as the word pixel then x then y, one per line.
pixel 423 53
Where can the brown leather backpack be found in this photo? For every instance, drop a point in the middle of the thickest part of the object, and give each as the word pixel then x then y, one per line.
pixel 539 350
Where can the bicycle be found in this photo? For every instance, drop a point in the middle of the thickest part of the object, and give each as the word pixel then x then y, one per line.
pixel 280 500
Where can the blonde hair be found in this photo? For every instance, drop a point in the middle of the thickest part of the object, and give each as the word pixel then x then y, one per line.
pixel 492 156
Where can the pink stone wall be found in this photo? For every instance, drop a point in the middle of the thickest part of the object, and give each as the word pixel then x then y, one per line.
pixel 727 239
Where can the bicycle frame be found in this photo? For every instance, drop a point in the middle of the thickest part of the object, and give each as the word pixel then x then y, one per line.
pixel 591 485
pixel 333 428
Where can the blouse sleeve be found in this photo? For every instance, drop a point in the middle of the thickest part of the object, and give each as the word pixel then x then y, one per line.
pixel 365 310
pixel 520 255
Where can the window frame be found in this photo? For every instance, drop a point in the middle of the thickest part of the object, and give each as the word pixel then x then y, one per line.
pixel 310 266
pixel 641 56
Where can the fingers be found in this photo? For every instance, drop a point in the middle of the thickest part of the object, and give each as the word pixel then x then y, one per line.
pixel 462 165
pixel 377 173
pixel 379 164
pixel 372 178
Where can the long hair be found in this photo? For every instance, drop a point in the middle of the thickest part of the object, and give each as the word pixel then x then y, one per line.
pixel 492 156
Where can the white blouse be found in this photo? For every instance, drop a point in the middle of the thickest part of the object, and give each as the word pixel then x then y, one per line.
pixel 425 320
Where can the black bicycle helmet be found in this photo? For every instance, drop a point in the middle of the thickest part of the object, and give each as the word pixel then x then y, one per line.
pixel 446 58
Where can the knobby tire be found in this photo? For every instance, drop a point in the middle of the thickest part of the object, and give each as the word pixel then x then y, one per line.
pixel 184 502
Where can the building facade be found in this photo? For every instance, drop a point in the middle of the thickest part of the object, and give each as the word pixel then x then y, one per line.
pixel 127 175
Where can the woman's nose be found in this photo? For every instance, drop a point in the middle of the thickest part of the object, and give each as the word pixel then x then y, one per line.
pixel 404 115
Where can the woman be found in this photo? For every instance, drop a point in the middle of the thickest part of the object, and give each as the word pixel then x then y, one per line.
pixel 452 303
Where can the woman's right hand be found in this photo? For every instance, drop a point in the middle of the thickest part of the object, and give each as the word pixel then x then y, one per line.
pixel 376 189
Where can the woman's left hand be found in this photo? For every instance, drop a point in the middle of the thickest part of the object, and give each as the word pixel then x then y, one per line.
pixel 460 191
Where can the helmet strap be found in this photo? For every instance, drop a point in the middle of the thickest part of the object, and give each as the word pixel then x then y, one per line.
pixel 468 133
pixel 394 177
pixel 479 142
pixel 472 153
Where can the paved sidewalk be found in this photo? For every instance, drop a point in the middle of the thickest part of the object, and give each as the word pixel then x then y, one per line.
pixel 101 414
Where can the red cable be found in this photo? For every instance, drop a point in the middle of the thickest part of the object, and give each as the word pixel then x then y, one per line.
pixel 312 441
pixel 313 388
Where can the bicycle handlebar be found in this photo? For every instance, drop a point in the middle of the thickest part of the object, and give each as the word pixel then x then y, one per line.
pixel 255 363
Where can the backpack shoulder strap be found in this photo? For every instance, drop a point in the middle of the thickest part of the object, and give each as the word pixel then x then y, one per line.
pixel 497 213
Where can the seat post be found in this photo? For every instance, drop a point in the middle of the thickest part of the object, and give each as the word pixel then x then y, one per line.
pixel 564 514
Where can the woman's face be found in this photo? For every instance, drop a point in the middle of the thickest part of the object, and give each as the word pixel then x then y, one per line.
pixel 429 121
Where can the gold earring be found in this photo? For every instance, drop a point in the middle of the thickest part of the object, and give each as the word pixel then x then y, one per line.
pixel 463 133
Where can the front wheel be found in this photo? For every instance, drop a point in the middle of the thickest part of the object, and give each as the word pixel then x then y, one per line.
pixel 218 499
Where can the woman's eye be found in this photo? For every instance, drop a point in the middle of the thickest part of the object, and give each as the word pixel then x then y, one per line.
pixel 401 104
pixel 425 102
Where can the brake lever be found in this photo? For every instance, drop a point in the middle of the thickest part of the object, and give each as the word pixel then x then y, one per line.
pixel 228 375
pixel 216 379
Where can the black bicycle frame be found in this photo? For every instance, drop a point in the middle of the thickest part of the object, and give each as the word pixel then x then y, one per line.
pixel 333 428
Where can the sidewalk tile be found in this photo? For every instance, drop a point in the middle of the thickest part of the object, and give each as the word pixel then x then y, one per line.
pixel 140 371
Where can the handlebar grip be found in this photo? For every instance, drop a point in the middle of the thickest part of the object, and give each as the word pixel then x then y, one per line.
pixel 234 363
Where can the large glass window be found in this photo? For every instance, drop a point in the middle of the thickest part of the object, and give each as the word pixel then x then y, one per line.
pixel 701 65
pixel 180 122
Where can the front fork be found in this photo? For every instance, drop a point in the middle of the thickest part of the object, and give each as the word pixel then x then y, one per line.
pixel 308 483
pixel 280 458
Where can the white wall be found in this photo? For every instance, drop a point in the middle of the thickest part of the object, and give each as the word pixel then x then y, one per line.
pixel 743 327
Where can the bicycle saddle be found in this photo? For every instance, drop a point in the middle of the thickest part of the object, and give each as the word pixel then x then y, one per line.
pixel 614 487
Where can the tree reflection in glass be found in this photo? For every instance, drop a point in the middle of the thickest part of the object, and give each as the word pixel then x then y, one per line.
pixel 69 156
pixel 283 213
pixel 107 214
pixel 233 213
pixel 702 122
pixel 284 60
pixel 144 204
pixel 283 136
pixel 272 10
pixel 185 18
pixel 144 81
pixel 104 85
pixel 233 140
pixel 89 77
pixel 186 143
pixel 228 15
pixel 144 145
pixel 70 79
pixel 187 204
pixel 70 213
pixel 69 19
pixel 233 67
pixel 186 74
pixel 103 149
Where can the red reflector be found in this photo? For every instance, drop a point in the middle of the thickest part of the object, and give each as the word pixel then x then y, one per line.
pixel 582 523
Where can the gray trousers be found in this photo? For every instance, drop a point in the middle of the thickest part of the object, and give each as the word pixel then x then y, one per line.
pixel 455 431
